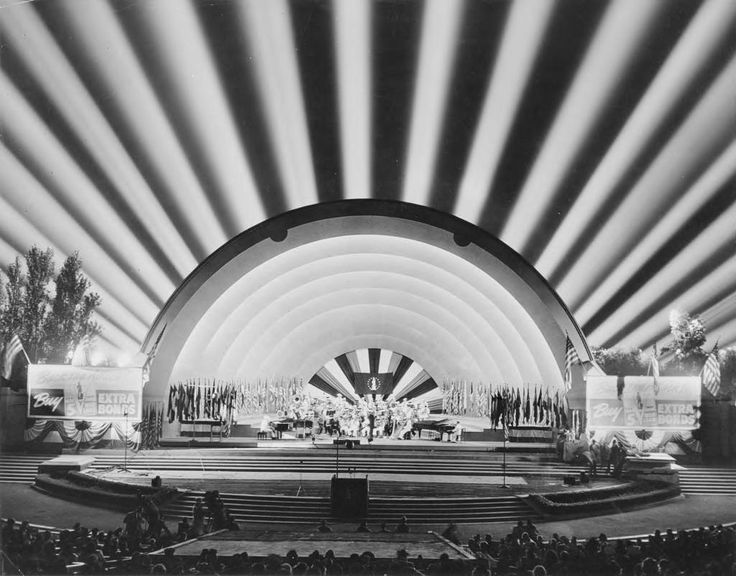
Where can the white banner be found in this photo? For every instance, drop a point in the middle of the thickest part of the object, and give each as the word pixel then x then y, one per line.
pixel 664 403
pixel 84 393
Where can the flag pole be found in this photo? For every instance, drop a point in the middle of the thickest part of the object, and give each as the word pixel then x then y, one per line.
pixel 504 462
pixel 25 354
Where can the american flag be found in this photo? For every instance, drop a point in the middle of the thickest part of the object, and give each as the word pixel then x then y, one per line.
pixel 711 374
pixel 12 350
pixel 571 357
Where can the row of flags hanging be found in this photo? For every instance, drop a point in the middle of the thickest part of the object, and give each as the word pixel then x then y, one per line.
pixel 200 399
pixel 505 405
pixel 210 399
pixel 151 425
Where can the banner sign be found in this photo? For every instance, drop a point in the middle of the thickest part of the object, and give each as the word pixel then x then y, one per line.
pixel 645 402
pixel 371 383
pixel 84 392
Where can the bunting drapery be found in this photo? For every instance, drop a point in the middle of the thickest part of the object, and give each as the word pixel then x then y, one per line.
pixel 675 442
pixel 82 434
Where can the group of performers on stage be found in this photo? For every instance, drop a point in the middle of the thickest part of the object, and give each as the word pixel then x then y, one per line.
pixel 369 417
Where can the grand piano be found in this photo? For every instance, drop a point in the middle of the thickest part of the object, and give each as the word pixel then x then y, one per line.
pixel 299 427
pixel 440 427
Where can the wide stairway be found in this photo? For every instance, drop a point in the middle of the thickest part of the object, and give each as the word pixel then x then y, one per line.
pixel 357 461
pixel 22 468
pixel 313 509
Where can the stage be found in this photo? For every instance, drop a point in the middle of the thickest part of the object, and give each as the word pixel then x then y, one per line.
pixel 289 481
pixel 421 468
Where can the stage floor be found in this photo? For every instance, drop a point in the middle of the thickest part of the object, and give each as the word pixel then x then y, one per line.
pixel 206 477
pixel 406 473
pixel 377 444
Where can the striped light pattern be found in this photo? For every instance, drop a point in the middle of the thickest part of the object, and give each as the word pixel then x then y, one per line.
pixel 598 140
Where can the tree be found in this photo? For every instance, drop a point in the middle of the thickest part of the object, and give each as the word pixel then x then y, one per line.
pixel 688 337
pixel 49 314
pixel 688 333
pixel 70 316
pixel 620 362
pixel 12 307
pixel 40 272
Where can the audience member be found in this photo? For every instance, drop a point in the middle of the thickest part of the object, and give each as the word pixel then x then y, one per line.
pixel 403 526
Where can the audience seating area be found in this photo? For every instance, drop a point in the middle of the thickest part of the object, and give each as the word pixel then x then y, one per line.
pixel 136 548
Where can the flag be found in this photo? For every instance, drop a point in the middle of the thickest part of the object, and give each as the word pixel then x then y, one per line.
pixel 654 367
pixel 12 370
pixel 711 373
pixel 171 411
pixel 571 357
pixel 373 383
pixel 654 363
pixel 81 352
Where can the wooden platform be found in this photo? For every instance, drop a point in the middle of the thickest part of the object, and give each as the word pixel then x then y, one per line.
pixel 65 463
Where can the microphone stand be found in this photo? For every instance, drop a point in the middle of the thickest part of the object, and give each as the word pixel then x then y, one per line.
pixel 337 455
pixel 300 490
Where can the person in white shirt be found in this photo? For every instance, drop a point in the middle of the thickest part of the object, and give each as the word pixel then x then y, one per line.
pixel 457 432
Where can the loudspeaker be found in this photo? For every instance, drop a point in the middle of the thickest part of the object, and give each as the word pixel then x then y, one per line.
pixel 349 497
pixel 584 479
pixel 570 480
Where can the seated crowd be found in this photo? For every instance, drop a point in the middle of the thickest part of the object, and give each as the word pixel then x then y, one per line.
pixel 123 550
pixel 708 551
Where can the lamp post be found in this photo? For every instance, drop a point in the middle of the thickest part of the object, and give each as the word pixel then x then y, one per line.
pixel 125 440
